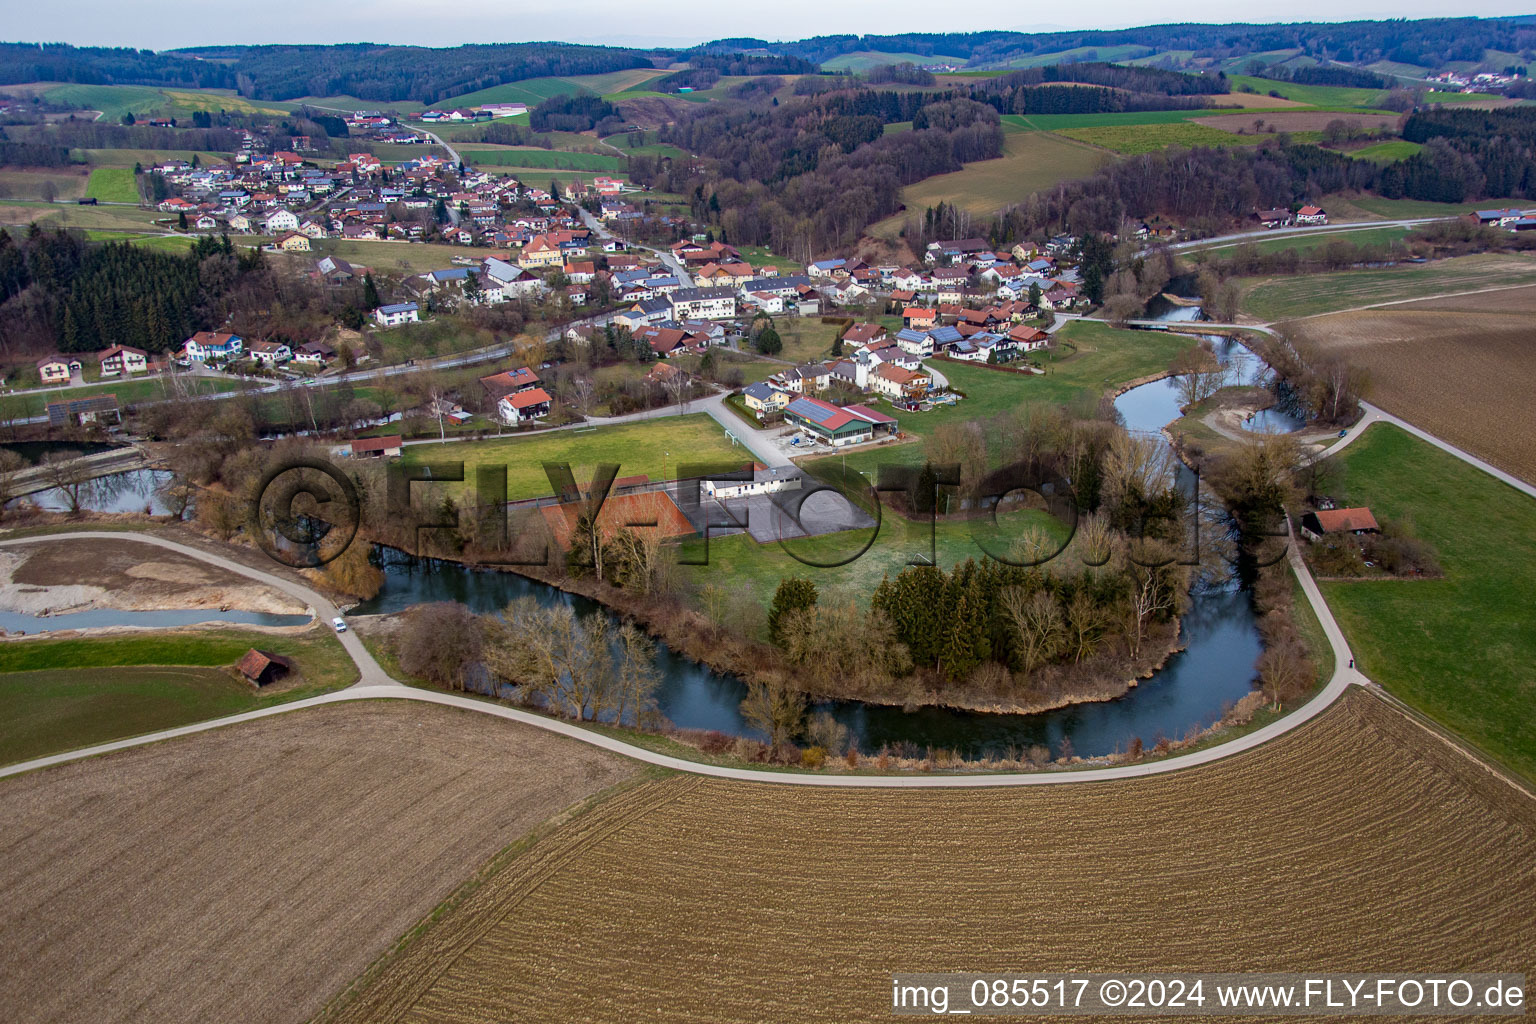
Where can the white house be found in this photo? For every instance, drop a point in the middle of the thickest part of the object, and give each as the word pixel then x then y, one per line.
pixel 703 303
pixel 272 353
pixel 280 221
pixel 120 359
pixel 56 369
pixel 397 314
pixel 206 345
pixel 522 406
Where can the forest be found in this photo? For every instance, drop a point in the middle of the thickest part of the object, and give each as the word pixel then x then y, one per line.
pixel 805 176
pixel 57 290
pixel 366 70
pixel 1427 43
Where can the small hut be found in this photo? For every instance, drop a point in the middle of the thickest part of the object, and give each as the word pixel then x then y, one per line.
pixel 263 667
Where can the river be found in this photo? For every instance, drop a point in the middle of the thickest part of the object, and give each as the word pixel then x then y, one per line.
pixel 1191 691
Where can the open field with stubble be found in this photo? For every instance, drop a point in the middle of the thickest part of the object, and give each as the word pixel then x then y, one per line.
pixel 1465 376
pixel 1359 842
pixel 249 873
pixel 1282 298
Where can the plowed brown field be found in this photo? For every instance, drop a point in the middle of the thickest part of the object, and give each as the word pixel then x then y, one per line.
pixel 1358 842
pixel 249 873
pixel 1463 376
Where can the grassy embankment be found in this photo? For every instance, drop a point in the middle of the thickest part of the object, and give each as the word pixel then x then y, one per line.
pixel 67 693
pixel 1460 648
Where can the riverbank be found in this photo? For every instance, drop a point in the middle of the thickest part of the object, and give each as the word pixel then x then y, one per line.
pixel 689 633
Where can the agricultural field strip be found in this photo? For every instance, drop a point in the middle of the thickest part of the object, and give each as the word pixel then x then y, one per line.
pixel 1312 850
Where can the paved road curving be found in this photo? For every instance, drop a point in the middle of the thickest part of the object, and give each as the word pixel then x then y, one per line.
pixel 375 683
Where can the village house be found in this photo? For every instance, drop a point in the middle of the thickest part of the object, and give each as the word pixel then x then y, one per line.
pixel 270 353
pixel 206 345
pixel 120 359
pixel 704 303
pixel 1311 215
pixel 293 242
pixel 1276 218
pixel 919 317
pixel 280 222
pixel 510 382
pixel 862 334
pixel 56 369
pixel 765 399
pixel 894 382
pixel 314 353
pixel 523 406
pixel 398 313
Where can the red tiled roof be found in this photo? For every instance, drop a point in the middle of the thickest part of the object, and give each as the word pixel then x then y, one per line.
pixel 376 444
pixel 524 399
pixel 1338 520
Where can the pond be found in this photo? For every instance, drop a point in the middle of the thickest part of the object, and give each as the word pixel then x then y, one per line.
pixel 134 490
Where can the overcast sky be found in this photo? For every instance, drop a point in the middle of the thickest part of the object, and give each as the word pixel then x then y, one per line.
pixel 164 24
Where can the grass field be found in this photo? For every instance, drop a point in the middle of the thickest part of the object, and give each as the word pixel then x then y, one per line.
pixel 863 60
pixel 1364 235
pixel 411 257
pixel 743 564
pixel 1150 138
pixel 113 185
pixel 533 91
pixel 1295 121
pixel 1313 95
pixel 250 873
pixel 146 157
pixel 34 184
pixel 1283 298
pixel 1459 648
pixel 165 243
pixel 1387 152
pixel 112 100
pixel 62 694
pixel 531 157
pixel 1401 209
pixel 653 447
pixel 35 403
pixel 1030 162
pixel 1465 376
pixel 1295 856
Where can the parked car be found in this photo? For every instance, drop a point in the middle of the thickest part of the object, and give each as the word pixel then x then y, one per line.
pixel 340 624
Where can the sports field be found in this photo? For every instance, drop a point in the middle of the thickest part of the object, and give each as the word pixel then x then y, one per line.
pixel 695 900
pixel 1459 648
pixel 249 873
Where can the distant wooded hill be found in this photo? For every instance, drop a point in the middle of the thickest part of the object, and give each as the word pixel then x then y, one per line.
pixel 1428 43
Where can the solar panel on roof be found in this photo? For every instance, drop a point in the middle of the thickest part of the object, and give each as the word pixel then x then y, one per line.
pixel 811 411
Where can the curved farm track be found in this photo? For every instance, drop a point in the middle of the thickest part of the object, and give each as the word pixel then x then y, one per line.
pixel 1358 842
